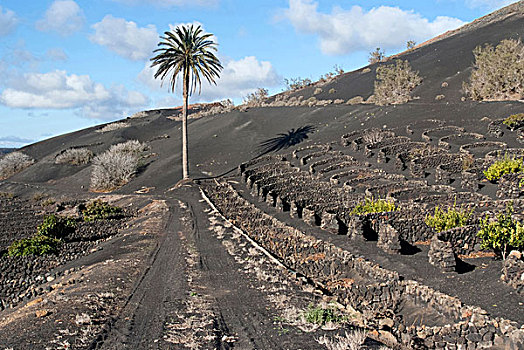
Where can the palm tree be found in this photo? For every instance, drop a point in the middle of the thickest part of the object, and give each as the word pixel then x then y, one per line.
pixel 188 51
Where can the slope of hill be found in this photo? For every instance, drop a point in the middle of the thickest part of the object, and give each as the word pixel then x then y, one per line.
pixel 291 178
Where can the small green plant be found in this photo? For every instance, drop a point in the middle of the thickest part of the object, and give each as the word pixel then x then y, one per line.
pixel 504 166
pixel 99 210
pixel 444 220
pixel 371 205
pixel 7 195
pixel 503 233
pixel 36 245
pixel 514 121
pixel 320 315
pixel 56 226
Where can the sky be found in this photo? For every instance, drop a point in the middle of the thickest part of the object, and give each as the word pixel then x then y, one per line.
pixel 66 65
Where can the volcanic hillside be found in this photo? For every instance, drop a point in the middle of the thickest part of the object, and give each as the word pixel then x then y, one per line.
pixel 291 174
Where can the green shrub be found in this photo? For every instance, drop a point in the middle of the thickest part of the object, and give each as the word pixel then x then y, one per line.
pixel 395 82
pixel 371 205
pixel 444 220
pixel 502 234
pixel 321 316
pixel 56 226
pixel 498 73
pixel 36 245
pixel 99 210
pixel 504 166
pixel 514 121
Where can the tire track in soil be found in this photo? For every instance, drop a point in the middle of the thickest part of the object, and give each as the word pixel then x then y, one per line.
pixel 197 293
pixel 162 288
pixel 243 294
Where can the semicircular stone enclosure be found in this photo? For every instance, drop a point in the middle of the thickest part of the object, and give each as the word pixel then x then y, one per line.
pixel 391 265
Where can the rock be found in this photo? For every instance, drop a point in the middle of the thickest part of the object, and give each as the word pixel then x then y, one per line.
pixel 34 302
pixel 388 238
pixel 41 313
pixel 441 254
pixel 386 323
pixel 330 222
pixel 309 216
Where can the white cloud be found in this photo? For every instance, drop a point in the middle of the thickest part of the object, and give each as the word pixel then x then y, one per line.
pixel 489 4
pixel 63 16
pixel 56 54
pixel 237 79
pixel 169 3
pixel 8 21
pixel 344 31
pixel 125 38
pixel 59 90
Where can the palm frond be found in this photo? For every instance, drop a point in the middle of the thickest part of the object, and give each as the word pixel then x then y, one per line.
pixel 186 50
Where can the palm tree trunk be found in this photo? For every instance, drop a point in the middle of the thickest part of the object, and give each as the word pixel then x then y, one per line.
pixel 184 125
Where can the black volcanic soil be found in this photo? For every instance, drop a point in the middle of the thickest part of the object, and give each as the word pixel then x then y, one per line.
pixel 176 275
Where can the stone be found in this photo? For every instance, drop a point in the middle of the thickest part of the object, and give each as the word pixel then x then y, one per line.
pixel 474 337
pixel 388 238
pixel 441 254
pixel 330 222
pixel 41 313
pixel 386 323
pixel 309 216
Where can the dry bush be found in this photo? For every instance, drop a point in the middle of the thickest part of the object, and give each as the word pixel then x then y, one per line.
pixel 355 100
pixel 350 341
pixel 132 147
pixel 317 91
pixel 226 106
pixel 395 82
pixel 376 56
pixel 294 84
pixel 116 166
pixel 13 163
pixel 141 114
pixel 376 135
pixel 75 156
pixel 255 99
pixel 498 73
pixel 113 126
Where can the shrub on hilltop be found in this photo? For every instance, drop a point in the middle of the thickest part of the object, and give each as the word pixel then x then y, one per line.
pixel 394 83
pixel 256 98
pixel 74 156
pixel 13 163
pixel 498 73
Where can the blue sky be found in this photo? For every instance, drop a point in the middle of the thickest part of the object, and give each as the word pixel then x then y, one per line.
pixel 66 65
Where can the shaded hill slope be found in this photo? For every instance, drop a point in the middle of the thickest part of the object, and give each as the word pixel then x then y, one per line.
pixel 221 142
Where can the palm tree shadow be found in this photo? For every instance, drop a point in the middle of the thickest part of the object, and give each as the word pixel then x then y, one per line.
pixel 285 140
pixel 282 141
